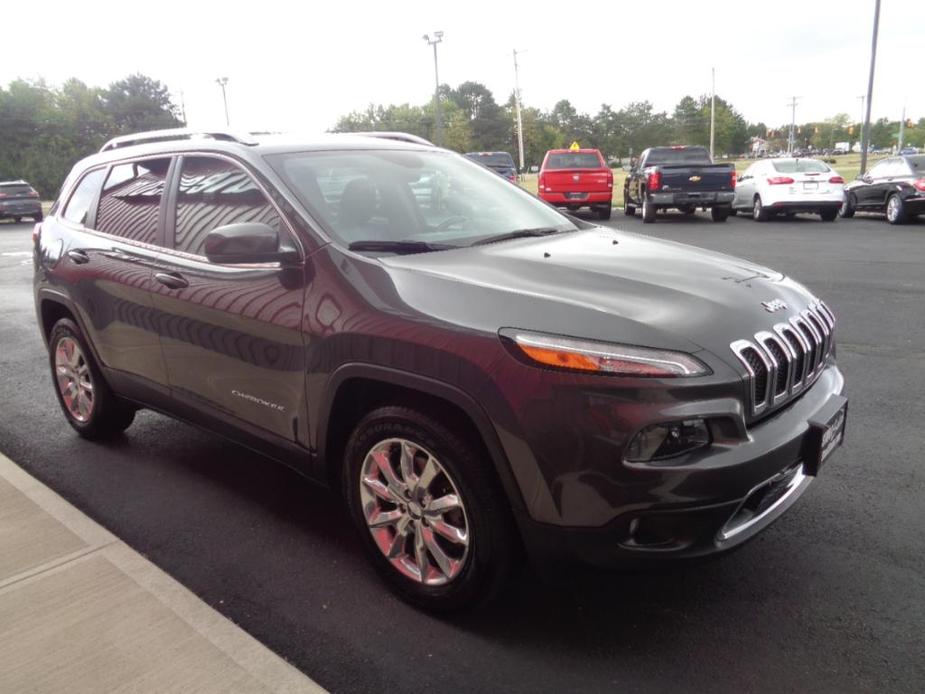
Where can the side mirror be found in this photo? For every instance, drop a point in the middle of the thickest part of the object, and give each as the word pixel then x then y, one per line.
pixel 866 178
pixel 248 242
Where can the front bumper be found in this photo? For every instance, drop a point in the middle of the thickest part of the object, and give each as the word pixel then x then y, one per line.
pixel 709 505
pixel 692 198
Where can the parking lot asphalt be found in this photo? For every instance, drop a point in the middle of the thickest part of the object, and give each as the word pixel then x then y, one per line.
pixel 831 598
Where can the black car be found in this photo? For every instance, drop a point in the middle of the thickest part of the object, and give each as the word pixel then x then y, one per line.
pixel 17 200
pixel 895 186
pixel 478 374
pixel 501 163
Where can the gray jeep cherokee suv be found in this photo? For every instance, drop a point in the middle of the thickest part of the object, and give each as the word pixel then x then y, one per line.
pixel 477 373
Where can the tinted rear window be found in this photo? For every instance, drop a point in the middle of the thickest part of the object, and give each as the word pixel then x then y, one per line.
pixel 799 166
pixel 685 155
pixel 492 158
pixel 917 163
pixel 16 189
pixel 573 160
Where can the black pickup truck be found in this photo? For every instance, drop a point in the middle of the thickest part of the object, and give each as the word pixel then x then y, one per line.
pixel 681 177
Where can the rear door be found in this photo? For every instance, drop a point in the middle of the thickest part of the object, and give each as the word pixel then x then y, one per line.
pixel 108 262
pixel 745 188
pixel 231 334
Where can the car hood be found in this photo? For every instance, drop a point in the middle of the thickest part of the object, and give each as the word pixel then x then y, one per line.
pixel 603 284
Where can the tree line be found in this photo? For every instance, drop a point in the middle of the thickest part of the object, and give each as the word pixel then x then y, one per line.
pixel 46 129
pixel 474 121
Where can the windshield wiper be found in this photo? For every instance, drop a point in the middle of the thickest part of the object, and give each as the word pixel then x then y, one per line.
pixel 518 234
pixel 400 247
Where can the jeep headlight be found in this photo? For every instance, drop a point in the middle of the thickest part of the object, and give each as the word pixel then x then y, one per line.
pixel 605 357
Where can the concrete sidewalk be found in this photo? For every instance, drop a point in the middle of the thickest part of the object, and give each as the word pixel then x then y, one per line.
pixel 82 612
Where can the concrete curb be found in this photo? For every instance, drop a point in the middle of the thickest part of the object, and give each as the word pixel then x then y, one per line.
pixel 69 570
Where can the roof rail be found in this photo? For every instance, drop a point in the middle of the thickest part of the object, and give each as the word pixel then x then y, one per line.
pixel 400 137
pixel 175 134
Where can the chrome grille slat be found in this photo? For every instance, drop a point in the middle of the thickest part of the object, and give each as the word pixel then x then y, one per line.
pixel 782 362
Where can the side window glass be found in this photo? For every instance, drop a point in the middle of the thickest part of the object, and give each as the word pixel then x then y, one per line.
pixel 213 193
pixel 79 205
pixel 131 200
pixel 880 170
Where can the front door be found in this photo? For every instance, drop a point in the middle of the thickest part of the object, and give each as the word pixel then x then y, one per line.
pixel 231 334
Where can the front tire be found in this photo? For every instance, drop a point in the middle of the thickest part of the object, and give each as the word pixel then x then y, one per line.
pixel 846 211
pixel 89 405
pixel 895 210
pixel 828 215
pixel 429 509
pixel 603 212
pixel 38 218
pixel 648 211
pixel 719 214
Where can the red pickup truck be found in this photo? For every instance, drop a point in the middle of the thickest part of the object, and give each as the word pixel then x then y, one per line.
pixel 576 178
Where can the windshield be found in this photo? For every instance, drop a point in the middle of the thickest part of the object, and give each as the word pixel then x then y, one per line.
pixel 16 189
pixel 395 195
pixel 573 160
pixel 681 155
pixel 492 159
pixel 799 166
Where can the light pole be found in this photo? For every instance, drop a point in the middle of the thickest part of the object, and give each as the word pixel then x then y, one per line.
pixel 222 82
pixel 438 117
pixel 793 123
pixel 520 123
pixel 713 112
pixel 865 126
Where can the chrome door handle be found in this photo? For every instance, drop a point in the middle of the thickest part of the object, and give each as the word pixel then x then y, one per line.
pixel 78 257
pixel 171 280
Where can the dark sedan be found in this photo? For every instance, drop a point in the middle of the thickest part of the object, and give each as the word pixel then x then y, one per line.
pixel 895 186
pixel 501 163
pixel 17 200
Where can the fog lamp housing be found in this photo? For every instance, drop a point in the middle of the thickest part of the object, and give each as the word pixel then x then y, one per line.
pixel 667 440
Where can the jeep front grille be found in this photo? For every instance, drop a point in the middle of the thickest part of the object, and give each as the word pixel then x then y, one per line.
pixel 786 360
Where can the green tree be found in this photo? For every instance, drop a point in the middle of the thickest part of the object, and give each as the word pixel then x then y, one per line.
pixel 139 103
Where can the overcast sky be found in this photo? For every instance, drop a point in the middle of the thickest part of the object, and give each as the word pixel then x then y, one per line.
pixel 299 66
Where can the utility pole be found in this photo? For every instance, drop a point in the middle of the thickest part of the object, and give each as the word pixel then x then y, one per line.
pixel 902 130
pixel 183 108
pixel 517 107
pixel 793 123
pixel 865 128
pixel 713 112
pixel 862 97
pixel 223 82
pixel 438 116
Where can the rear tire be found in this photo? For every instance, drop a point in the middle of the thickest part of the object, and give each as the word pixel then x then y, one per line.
pixel 89 405
pixel 828 215
pixel 759 212
pixel 895 210
pixel 719 214
pixel 603 211
pixel 847 208
pixel 629 210
pixel 38 218
pixel 648 211
pixel 460 572
pixel 17 220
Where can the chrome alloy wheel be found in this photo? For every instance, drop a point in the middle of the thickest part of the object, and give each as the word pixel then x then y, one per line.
pixel 75 383
pixel 414 512
pixel 892 208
